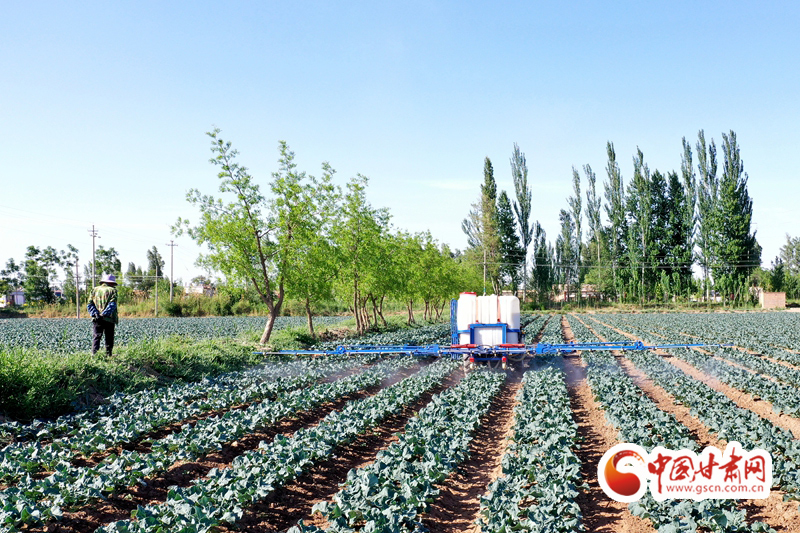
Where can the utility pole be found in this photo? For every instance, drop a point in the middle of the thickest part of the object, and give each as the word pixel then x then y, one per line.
pixel 484 270
pixel 77 292
pixel 94 234
pixel 156 311
pixel 171 263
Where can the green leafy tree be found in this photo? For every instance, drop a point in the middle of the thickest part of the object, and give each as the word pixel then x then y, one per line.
pixel 679 230
pixel 106 261
pixel 684 247
pixel 313 261
pixel 543 270
pixel 357 233
pixel 155 263
pixel 575 205
pixel 640 213
pixel 11 277
pixel 40 272
pixel 790 255
pixel 566 252
pixel 593 211
pixel 68 261
pixel 407 249
pixel 251 238
pixel 777 277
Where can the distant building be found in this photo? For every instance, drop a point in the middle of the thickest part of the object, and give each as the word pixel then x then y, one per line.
pixel 200 290
pixel 588 292
pixel 772 300
pixel 16 297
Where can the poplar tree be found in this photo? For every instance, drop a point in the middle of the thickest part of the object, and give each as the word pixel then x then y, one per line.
pixel 738 252
pixel 639 209
pixel 522 208
pixel 790 255
pixel 679 233
pixel 707 217
pixel 511 253
pixel 480 226
pixel 615 210
pixel 689 216
pixel 565 250
pixel 575 204
pixel 543 268
pixel 593 209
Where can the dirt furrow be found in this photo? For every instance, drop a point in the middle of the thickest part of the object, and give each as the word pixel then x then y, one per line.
pixel 600 513
pixel 457 507
pixel 119 505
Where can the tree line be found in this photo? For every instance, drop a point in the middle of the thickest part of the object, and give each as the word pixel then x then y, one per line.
pixel 784 274
pixel 308 239
pixel 641 241
pixel 40 280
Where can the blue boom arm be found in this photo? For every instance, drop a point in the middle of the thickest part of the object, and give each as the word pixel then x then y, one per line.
pixel 490 353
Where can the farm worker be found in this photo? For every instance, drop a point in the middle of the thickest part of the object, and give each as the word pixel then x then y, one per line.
pixel 103 309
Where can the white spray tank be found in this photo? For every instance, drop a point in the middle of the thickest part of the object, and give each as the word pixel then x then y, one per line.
pixel 480 319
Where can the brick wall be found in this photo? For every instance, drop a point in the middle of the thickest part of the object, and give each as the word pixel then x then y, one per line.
pixel 772 300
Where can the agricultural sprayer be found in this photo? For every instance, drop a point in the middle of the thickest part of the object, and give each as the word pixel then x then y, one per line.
pixel 486 329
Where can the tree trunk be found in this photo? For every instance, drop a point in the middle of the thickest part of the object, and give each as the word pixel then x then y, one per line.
pixel 374 309
pixel 365 315
pixel 310 319
pixel 380 311
pixel 356 313
pixel 410 307
pixel 274 311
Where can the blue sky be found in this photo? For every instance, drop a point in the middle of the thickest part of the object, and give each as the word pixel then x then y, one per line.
pixel 104 105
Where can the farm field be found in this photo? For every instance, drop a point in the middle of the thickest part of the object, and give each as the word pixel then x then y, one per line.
pixel 65 335
pixel 368 443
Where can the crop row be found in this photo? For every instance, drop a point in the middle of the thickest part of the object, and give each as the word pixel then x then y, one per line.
pixel 651 427
pixel 419 336
pixel 553 334
pixel 786 374
pixel 784 398
pixel 33 501
pixel 765 333
pixel 67 335
pixel 126 403
pixel 393 492
pixel 149 410
pixel 729 421
pixel 224 494
pixel 541 473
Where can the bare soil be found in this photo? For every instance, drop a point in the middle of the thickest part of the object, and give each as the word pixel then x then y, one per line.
pixel 600 513
pixel 457 507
